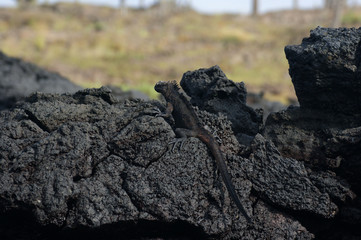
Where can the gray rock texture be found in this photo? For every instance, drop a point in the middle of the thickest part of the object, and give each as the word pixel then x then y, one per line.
pixel 88 160
pixel 18 79
pixel 326 128
pixel 325 131
pixel 210 90
pixel 325 70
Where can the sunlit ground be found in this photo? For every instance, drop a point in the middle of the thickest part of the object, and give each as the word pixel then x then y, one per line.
pixel 94 46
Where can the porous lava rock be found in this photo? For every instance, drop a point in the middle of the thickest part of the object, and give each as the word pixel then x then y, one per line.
pixel 324 132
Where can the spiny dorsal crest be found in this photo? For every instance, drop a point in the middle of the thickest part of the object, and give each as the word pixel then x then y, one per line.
pixel 175 85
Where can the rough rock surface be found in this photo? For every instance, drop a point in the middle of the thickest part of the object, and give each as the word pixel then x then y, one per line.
pixel 325 131
pixel 325 70
pixel 88 161
pixel 18 79
pixel 210 90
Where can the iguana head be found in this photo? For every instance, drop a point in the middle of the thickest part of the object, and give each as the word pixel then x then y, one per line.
pixel 166 88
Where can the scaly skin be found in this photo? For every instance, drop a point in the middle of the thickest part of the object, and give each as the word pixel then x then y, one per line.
pixel 188 125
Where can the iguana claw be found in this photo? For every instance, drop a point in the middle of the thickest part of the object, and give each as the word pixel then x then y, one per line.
pixel 176 141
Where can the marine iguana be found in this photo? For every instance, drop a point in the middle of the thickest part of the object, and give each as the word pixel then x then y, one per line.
pixel 188 125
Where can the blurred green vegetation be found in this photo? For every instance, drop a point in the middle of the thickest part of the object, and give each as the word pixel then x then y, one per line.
pixel 352 17
pixel 95 46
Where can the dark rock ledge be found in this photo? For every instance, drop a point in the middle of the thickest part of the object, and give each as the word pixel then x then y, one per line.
pixel 86 160
pixel 88 165
pixel 325 131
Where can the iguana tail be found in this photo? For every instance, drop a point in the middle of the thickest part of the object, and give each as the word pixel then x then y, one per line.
pixel 211 143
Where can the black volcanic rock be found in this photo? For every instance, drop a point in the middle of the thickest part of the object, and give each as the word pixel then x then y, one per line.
pixel 325 70
pixel 212 91
pixel 18 79
pixel 89 162
pixel 325 131
pixel 313 136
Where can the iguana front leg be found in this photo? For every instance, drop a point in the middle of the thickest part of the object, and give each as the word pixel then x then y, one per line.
pixel 168 111
pixel 182 134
